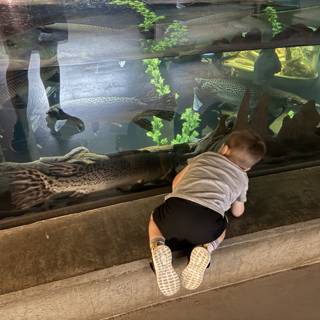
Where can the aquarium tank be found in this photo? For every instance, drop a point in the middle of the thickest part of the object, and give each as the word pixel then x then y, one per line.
pixel 103 99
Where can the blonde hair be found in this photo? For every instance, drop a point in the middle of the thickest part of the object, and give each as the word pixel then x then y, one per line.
pixel 246 148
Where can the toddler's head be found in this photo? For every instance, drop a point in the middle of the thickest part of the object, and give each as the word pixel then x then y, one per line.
pixel 243 147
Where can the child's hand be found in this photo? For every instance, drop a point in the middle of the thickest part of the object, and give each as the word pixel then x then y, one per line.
pixel 237 209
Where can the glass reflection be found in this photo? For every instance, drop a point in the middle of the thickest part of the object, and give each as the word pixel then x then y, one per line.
pixel 23 34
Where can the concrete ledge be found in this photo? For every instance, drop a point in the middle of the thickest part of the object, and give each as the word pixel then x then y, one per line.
pixel 121 289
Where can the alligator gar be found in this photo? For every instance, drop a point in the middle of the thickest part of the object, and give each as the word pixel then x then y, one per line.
pixel 114 109
pixel 31 187
pixel 231 91
pixel 83 28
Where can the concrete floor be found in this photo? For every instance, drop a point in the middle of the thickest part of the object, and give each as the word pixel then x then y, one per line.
pixel 290 295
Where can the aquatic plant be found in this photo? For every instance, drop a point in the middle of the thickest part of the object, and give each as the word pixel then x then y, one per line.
pixel 191 121
pixel 175 34
pixel 156 134
pixel 157 81
pixel 150 18
pixel 175 31
pixel 272 17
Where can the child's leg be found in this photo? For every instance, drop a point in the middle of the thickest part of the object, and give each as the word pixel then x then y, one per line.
pixel 192 275
pixel 155 235
pixel 213 245
pixel 167 279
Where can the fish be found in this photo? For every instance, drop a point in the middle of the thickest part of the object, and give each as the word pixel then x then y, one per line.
pixel 227 90
pixel 82 28
pixel 231 92
pixel 31 187
pixel 216 18
pixel 109 109
pixel 226 25
pixel 21 16
pixel 266 66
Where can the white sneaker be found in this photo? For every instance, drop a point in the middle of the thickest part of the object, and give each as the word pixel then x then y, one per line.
pixel 167 279
pixel 193 273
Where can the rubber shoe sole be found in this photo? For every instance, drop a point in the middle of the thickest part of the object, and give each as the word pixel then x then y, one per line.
pixel 167 279
pixel 192 275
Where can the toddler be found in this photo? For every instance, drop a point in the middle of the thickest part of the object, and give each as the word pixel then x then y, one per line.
pixel 194 211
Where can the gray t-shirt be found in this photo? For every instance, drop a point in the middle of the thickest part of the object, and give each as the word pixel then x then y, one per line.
pixel 213 181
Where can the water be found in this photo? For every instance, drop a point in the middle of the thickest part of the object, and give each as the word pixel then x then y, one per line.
pixel 83 74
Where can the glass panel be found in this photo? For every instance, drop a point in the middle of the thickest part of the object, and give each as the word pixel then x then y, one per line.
pixel 85 85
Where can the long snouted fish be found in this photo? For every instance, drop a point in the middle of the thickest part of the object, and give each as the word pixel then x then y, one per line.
pixel 31 187
pixel 231 91
pixel 83 28
pixel 228 91
pixel 114 109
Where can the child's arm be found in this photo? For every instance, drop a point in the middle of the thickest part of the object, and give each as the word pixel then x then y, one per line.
pixel 179 176
pixel 237 209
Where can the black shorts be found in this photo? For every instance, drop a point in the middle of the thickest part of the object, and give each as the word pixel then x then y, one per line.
pixel 183 220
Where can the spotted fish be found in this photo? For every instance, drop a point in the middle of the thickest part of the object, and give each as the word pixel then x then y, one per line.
pixel 31 187
pixel 231 91
pixel 225 90
pixel 114 109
